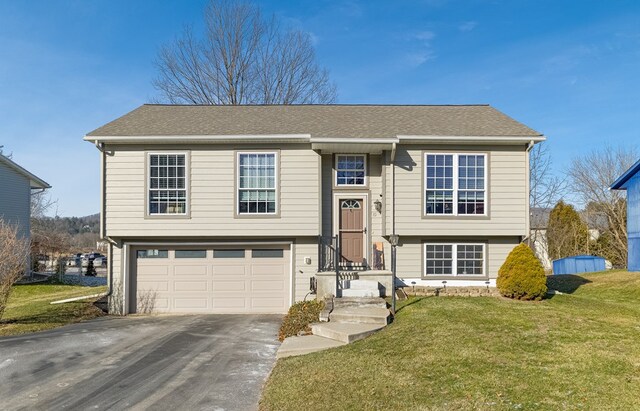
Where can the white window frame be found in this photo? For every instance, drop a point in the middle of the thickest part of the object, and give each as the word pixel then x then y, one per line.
pixel 455 189
pixel 276 181
pixel 364 184
pixel 187 172
pixel 454 260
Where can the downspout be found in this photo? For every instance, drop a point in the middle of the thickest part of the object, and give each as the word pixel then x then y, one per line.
pixel 103 184
pixel 527 238
pixel 393 188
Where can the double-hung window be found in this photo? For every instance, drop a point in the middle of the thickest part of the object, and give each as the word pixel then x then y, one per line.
pixel 350 170
pixel 167 184
pixel 257 182
pixel 455 184
pixel 454 259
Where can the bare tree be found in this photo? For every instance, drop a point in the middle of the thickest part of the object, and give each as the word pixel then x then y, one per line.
pixel 14 253
pixel 591 175
pixel 545 190
pixel 242 58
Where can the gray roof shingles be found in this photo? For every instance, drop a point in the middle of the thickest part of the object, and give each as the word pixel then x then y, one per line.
pixel 355 121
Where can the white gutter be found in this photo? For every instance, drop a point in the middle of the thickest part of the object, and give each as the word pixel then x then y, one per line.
pixel 176 139
pixel 353 140
pixel 486 139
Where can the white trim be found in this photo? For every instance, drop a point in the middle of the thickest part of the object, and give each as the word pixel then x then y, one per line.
pixel 456 188
pixel 187 184
pixel 125 278
pixel 127 249
pixel 276 174
pixel 487 139
pixel 454 259
pixel 335 169
pixel 222 138
pixel 344 195
pixel 353 140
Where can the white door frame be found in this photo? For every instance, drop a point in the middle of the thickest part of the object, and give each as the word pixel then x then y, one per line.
pixel 344 195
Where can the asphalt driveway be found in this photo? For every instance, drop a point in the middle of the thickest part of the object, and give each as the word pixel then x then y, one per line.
pixel 203 362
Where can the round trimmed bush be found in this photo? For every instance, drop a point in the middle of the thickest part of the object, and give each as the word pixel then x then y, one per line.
pixel 522 276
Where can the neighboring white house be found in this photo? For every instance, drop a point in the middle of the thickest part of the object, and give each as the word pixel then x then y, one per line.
pixel 16 184
pixel 224 209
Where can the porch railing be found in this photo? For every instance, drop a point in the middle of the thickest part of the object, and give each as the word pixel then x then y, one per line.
pixel 328 253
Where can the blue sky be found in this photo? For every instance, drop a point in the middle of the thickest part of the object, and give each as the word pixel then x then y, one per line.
pixel 569 69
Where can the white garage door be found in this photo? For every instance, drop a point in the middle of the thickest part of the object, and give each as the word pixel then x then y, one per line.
pixel 193 279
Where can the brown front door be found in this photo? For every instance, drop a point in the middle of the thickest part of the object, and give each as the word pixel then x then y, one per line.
pixel 352 230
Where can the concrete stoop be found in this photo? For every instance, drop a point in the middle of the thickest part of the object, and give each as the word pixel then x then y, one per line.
pixel 351 319
pixel 361 288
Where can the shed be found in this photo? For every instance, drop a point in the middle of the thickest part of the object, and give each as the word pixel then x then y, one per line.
pixel 578 264
pixel 630 181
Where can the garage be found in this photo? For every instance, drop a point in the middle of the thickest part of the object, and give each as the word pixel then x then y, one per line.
pixel 210 279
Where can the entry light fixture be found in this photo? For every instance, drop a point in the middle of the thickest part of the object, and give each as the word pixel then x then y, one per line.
pixel 378 205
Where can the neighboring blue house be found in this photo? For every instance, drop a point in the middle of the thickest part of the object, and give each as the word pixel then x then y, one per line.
pixel 16 184
pixel 630 181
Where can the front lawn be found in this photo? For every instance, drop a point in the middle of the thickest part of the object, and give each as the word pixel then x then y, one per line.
pixel 572 351
pixel 29 310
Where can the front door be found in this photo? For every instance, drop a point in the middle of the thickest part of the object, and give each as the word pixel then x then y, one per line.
pixel 352 230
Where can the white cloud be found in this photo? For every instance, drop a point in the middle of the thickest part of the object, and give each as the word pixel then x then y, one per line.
pixel 424 35
pixel 468 26
pixel 418 58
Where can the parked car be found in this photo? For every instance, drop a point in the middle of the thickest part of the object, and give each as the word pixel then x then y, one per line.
pixel 74 260
pixel 92 257
pixel 100 261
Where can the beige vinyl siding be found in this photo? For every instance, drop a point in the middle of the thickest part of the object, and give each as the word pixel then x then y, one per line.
pixel 507 194
pixel 15 198
pixel 211 197
pixel 304 247
pixel 376 220
pixel 410 253
pixel 327 196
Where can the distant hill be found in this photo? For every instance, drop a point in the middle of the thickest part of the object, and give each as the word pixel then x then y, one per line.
pixel 75 225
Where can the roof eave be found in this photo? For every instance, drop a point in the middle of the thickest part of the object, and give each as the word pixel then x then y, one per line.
pixel 35 182
pixel 621 181
pixel 201 139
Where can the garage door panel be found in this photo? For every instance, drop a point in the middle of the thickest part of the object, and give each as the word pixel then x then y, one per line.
pixel 190 303
pixel 190 270
pixel 275 285
pixel 267 302
pixel 268 269
pixel 230 303
pixel 152 286
pixel 190 286
pixel 234 285
pixel 152 270
pixel 214 284
pixel 229 270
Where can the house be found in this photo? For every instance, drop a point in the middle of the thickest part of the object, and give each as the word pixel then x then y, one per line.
pixel 630 181
pixel 242 208
pixel 16 184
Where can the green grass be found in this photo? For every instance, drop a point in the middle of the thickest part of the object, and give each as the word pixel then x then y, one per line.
pixel 576 351
pixel 29 310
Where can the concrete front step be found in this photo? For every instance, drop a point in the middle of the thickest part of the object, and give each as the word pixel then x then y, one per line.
pixel 364 315
pixel 292 346
pixel 362 284
pixel 345 332
pixel 345 302
pixel 354 292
